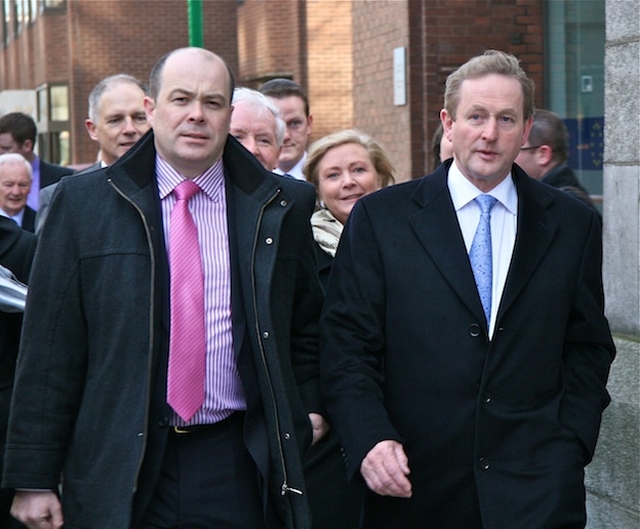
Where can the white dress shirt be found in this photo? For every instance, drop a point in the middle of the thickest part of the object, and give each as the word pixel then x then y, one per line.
pixel 296 170
pixel 504 226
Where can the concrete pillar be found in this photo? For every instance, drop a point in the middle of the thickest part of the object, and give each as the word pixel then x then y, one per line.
pixel 613 478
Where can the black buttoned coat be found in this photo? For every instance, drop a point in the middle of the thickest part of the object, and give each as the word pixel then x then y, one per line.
pixel 497 431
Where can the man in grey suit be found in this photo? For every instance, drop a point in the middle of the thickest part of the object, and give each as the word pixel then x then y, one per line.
pixel 465 407
pixel 116 122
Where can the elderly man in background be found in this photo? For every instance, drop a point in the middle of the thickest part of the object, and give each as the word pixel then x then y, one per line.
pixel 18 134
pixel 15 184
pixel 116 121
pixel 257 125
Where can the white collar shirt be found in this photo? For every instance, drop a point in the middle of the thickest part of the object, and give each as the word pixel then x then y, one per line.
pixel 504 226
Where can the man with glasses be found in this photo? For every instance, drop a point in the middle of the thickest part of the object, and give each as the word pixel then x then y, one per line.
pixel 544 156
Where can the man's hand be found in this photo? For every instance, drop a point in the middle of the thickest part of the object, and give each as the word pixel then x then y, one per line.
pixel 319 425
pixel 385 469
pixel 37 510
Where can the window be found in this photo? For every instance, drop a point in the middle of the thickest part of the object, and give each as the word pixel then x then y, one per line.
pixel 575 82
pixel 53 123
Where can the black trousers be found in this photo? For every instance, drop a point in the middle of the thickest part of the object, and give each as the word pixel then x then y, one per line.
pixel 208 480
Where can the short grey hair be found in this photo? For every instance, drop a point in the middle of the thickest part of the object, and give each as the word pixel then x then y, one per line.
pixel 263 104
pixel 106 83
pixel 14 157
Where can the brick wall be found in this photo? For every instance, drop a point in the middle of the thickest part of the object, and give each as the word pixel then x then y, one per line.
pixel 270 39
pixel 112 36
pixel 378 28
pixel 341 52
pixel 330 65
pixel 454 31
pixel 92 39
pixel 439 36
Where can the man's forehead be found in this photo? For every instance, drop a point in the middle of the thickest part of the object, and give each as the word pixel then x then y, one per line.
pixel 117 91
pixel 7 141
pixel 14 170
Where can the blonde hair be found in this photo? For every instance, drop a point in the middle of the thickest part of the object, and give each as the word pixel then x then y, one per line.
pixel 380 159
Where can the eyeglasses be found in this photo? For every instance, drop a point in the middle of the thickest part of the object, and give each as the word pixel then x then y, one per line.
pixel 530 148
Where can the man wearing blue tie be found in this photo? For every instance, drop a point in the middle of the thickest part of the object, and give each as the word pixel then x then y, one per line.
pixel 464 349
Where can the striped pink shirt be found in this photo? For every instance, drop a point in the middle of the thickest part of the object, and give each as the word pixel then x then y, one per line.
pixel 223 388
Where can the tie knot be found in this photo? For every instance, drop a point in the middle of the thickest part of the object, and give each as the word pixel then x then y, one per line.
pixel 486 203
pixel 185 190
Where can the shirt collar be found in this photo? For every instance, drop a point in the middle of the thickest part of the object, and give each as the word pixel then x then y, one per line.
pixel 463 191
pixel 210 181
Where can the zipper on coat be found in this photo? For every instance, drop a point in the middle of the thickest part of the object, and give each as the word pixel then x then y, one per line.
pixel 145 432
pixel 284 488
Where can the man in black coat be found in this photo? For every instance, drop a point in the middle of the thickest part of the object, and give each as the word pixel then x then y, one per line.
pixel 462 410
pixel 17 247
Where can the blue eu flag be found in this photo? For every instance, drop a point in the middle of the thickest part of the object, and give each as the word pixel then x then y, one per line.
pixel 586 143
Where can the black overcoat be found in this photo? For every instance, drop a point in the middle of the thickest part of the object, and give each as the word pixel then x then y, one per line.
pixel 497 432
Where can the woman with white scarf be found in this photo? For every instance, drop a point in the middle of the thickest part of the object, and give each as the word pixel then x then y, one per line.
pixel 343 166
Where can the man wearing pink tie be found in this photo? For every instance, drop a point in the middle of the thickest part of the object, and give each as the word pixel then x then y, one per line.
pixel 169 370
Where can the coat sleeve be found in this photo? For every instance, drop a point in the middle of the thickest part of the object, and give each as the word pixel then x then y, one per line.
pixel 588 349
pixel 51 365
pixel 352 341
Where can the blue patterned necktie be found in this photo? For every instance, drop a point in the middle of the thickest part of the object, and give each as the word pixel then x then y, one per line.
pixel 480 253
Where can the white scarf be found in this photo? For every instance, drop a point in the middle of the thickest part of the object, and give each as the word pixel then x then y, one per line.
pixel 326 230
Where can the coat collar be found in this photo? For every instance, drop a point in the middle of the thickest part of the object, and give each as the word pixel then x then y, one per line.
pixel 135 171
pixel 436 226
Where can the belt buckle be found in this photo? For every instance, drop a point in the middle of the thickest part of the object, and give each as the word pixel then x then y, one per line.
pixel 180 430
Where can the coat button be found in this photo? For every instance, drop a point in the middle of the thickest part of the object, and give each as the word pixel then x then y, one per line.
pixel 269 240
pixel 486 398
pixel 265 334
pixel 474 330
pixel 484 463
pixel 283 203
pixel 287 435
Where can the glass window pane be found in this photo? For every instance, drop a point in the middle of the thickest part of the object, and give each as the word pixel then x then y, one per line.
pixel 59 103
pixel 575 81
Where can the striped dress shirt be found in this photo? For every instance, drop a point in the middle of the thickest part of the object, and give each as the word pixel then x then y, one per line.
pixel 223 388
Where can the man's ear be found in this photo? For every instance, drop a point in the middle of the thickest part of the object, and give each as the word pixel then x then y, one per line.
pixel 26 147
pixel 544 155
pixel 91 129
pixel 447 123
pixel 149 107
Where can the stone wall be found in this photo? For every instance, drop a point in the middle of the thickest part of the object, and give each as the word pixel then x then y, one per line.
pixel 613 478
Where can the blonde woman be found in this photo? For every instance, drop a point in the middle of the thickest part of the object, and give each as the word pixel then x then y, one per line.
pixel 343 166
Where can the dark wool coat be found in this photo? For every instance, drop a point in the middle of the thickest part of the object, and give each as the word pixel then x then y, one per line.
pixel 17 247
pixel 92 376
pixel 497 432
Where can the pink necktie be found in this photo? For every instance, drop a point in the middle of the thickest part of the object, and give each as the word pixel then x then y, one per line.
pixel 187 359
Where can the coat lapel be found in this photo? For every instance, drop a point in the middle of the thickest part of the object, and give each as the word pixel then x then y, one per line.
pixel 536 229
pixel 436 226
